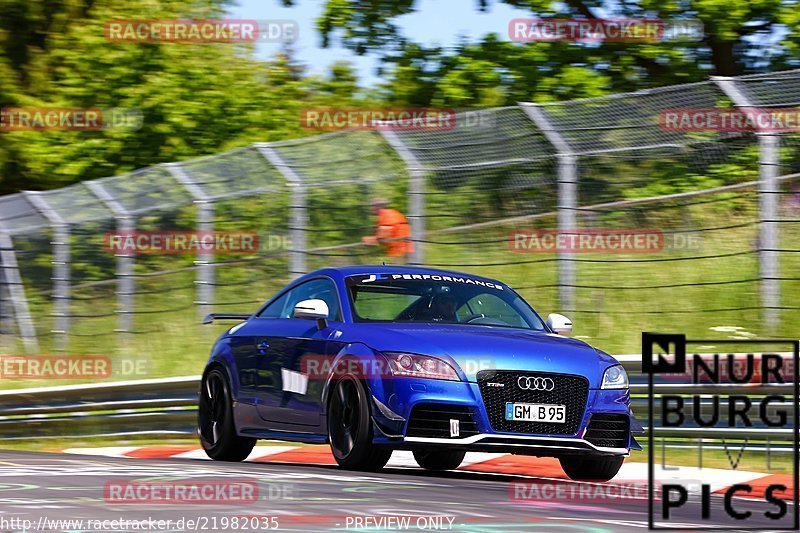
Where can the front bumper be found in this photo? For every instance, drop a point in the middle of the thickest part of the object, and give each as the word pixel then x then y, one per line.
pixel 394 401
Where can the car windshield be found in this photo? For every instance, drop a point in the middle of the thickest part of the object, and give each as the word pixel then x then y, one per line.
pixel 430 298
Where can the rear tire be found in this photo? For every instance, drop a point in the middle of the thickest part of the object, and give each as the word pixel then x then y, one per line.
pixel 350 427
pixel 215 425
pixel 439 460
pixel 591 468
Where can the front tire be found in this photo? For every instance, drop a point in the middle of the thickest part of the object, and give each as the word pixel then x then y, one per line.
pixel 591 468
pixel 350 427
pixel 439 460
pixel 215 425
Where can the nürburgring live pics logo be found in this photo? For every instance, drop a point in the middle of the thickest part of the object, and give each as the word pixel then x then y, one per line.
pixel 747 389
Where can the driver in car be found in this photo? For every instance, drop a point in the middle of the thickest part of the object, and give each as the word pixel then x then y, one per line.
pixel 443 308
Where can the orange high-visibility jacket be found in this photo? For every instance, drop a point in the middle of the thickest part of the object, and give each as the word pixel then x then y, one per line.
pixel 392 225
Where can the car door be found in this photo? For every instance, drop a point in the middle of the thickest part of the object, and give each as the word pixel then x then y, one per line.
pixel 289 389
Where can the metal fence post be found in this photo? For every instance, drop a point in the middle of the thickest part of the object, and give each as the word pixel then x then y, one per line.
pixel 6 325
pixel 768 193
pixel 204 279
pixel 205 271
pixel 567 221
pixel 416 193
pixel 19 303
pixel 126 283
pixel 126 223
pixel 298 229
pixel 567 201
pixel 6 316
pixel 61 277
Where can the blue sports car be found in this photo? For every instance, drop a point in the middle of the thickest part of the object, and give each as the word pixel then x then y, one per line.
pixel 371 359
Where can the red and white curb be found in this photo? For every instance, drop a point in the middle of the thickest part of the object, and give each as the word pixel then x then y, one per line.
pixel 489 463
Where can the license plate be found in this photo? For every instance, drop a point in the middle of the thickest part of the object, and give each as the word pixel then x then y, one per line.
pixel 536 412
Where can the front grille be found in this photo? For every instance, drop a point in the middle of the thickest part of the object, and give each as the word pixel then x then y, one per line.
pixel 433 421
pixel 608 430
pixel 570 390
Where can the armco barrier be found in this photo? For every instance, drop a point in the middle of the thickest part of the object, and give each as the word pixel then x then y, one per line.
pixel 165 406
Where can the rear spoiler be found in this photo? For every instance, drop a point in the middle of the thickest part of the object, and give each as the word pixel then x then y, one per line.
pixel 224 316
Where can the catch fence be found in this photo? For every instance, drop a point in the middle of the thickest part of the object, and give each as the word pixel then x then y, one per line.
pixel 725 204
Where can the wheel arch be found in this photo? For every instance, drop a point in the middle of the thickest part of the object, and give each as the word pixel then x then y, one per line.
pixel 224 359
pixel 353 352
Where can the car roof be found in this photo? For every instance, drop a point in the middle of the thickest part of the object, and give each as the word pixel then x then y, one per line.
pixel 355 270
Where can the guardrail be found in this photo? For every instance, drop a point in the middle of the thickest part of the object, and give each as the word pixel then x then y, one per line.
pixel 153 407
pixel 168 406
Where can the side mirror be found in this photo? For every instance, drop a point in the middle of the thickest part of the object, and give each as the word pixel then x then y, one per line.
pixel 314 309
pixel 560 324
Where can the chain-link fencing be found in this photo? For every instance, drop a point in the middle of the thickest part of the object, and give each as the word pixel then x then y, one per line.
pixel 483 196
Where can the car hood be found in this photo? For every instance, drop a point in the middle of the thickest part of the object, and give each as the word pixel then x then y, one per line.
pixel 476 348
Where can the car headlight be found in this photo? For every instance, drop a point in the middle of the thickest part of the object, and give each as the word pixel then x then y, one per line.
pixel 615 377
pixel 420 366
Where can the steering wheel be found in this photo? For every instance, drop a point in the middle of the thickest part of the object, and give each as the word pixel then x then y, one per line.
pixel 476 316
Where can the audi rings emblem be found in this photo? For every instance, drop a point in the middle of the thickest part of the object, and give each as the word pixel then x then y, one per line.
pixel 535 383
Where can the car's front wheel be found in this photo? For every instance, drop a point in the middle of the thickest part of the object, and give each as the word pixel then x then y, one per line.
pixel 350 427
pixel 439 460
pixel 215 421
pixel 591 468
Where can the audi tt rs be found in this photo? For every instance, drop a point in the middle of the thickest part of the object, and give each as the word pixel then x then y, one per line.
pixel 371 359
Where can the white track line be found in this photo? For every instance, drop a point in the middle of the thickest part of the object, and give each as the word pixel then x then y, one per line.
pixel 110 451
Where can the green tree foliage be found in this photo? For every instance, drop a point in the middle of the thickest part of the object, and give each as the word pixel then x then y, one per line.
pixel 195 98
pixel 739 37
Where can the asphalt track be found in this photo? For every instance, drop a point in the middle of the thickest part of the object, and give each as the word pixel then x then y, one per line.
pixel 44 487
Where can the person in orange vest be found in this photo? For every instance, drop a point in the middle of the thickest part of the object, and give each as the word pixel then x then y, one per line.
pixel 391 225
